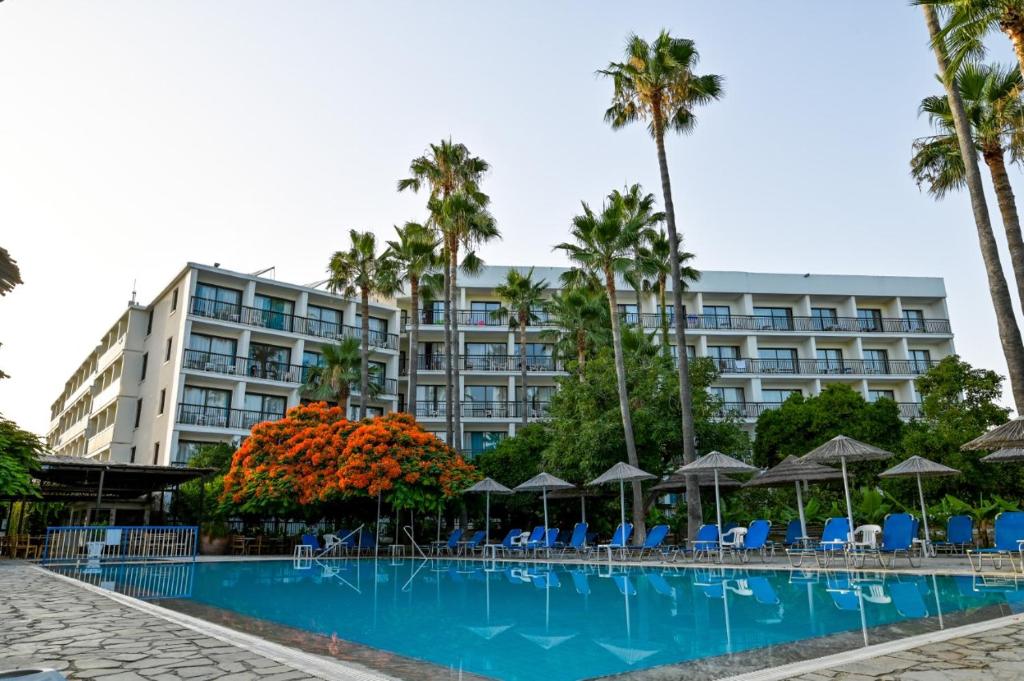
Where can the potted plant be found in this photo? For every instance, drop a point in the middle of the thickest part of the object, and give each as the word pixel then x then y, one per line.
pixel 213 538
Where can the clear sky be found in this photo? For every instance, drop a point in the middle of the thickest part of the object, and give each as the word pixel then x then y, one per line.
pixel 136 135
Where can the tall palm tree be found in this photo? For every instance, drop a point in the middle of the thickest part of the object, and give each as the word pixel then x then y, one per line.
pixel 962 38
pixel 604 247
pixel 655 261
pixel 361 271
pixel 446 168
pixel 990 94
pixel 10 275
pixel 579 316
pixel 414 258
pixel 332 379
pixel 656 83
pixel 522 298
pixel 1009 332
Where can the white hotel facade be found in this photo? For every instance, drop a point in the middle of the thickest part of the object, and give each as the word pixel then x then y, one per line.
pixel 218 351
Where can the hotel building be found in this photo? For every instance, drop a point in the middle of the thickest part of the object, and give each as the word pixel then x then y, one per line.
pixel 218 351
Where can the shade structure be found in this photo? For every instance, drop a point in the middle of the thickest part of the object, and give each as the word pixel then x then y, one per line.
pixel 676 483
pixel 580 494
pixel 488 486
pixel 843 449
pixel 716 462
pixel 622 473
pixel 920 467
pixel 795 470
pixel 1010 435
pixel 544 482
pixel 1005 455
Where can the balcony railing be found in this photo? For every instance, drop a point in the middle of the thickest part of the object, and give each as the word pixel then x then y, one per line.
pixel 280 321
pixel 222 417
pixel 246 367
pixel 474 318
pixel 485 410
pixel 751 410
pixel 499 363
pixel 890 367
pixel 857 325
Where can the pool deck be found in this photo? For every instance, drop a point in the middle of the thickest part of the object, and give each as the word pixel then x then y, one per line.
pixel 89 633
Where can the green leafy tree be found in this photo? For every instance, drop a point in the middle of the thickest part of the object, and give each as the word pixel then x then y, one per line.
pixel 604 247
pixel 656 84
pixel 579 316
pixel 361 271
pixel 522 298
pixel 19 454
pixel 340 367
pixel 198 501
pixel 10 276
pixel 656 263
pixel 513 461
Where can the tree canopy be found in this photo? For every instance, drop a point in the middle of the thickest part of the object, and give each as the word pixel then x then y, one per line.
pixel 19 451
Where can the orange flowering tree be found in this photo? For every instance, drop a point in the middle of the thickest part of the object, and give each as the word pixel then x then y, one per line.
pixel 315 456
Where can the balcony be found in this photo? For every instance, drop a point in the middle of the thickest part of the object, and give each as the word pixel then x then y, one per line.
pixel 484 410
pixel 279 321
pixel 824 367
pixel 222 417
pixel 485 363
pixel 473 318
pixel 751 410
pixel 759 323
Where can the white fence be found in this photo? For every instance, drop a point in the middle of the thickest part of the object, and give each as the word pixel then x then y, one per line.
pixel 143 542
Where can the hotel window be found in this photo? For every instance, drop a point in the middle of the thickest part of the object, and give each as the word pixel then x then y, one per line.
pixel 777 395
pixel 378 373
pixel 323 321
pixel 138 412
pixel 824 318
pixel 725 357
pixel 691 351
pixel 920 361
pixel 269 361
pixel 149 323
pixel 482 313
pixel 371 412
pixel 629 313
pixel 167 351
pixel 486 357
pixel 145 365
pixel 310 359
pixel 132 457
pixel 262 408
pixel 876 362
pixel 217 301
pixel 486 401
pixel 774 318
pixel 729 396
pixel 717 317
pixel 430 400
pixel 205 407
pixel 875 395
pixel 830 360
pixel 163 400
pixel 914 321
pixel 210 353
pixel 536 395
pixel 433 312
pixel 777 360
pixel 156 453
pixel 869 319
pixel 186 450
pixel 273 313
pixel 174 300
pixel 477 443
pixel 539 356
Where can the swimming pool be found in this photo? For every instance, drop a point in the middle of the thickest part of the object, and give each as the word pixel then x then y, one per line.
pixel 560 622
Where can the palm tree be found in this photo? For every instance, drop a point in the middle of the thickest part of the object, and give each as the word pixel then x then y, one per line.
pixel 991 100
pixel 414 257
pixel 580 318
pixel 360 270
pixel 522 297
pixel 1009 332
pixel 656 83
pixel 332 379
pixel 970 21
pixel 605 245
pixel 656 262
pixel 446 168
pixel 10 275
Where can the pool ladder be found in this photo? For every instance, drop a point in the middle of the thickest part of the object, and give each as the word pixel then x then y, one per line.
pixel 416 547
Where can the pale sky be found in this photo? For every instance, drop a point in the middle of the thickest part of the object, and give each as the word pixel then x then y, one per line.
pixel 137 135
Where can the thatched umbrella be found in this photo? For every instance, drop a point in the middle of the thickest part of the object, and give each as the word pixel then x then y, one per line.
pixel 544 482
pixel 488 487
pixel 1007 436
pixel 716 462
pixel 1005 455
pixel 581 494
pixel 843 449
pixel 795 470
pixel 677 483
pixel 621 473
pixel 920 467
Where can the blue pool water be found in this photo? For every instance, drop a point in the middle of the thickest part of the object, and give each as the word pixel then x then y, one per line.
pixel 558 622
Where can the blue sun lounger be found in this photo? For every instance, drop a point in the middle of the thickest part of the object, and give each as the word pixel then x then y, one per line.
pixel 959 535
pixel 706 542
pixel 897 539
pixel 1009 541
pixel 655 538
pixel 754 541
pixel 834 539
pixel 619 540
pixel 578 540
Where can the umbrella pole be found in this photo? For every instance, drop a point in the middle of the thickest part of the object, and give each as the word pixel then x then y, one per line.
pixel 800 507
pixel 938 604
pixel 487 525
pixel 583 509
pixel 849 504
pixel 924 517
pixel 376 541
pixel 718 516
pixel 622 508
pixel 544 494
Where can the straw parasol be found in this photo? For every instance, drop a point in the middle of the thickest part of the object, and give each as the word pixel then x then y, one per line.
pixel 920 467
pixel 488 487
pixel 1007 436
pixel 717 462
pixel 843 449
pixel 622 473
pixel 795 470
pixel 544 482
pixel 1005 455
pixel 677 483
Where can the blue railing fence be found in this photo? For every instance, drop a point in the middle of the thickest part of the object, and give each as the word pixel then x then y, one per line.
pixel 136 542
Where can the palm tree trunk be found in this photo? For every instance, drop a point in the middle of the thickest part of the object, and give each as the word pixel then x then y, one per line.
pixel 663 320
pixel 581 352
pixel 1009 332
pixel 522 362
pixel 364 352
pixel 1008 210
pixel 639 528
pixel 455 399
pixel 414 343
pixel 1014 29
pixel 448 392
pixel 343 396
pixel 694 514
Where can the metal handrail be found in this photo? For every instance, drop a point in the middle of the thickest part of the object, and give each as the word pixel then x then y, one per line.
pixel 341 542
pixel 408 532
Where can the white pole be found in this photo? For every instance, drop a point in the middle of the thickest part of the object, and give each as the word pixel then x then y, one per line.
pixel 718 515
pixel 800 506
pixel 544 494
pixel 849 504
pixel 376 542
pixel 583 508
pixel 487 526
pixel 622 508
pixel 924 516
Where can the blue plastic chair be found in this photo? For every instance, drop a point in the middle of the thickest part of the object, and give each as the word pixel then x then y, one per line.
pixel 546 542
pixel 619 540
pixel 578 540
pixel 835 538
pixel 655 538
pixel 506 543
pixel 474 542
pixel 897 539
pixel 706 542
pixel 450 545
pixel 1009 537
pixel 959 535
pixel 793 534
pixel 755 541
pixel 535 537
pixel 312 541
